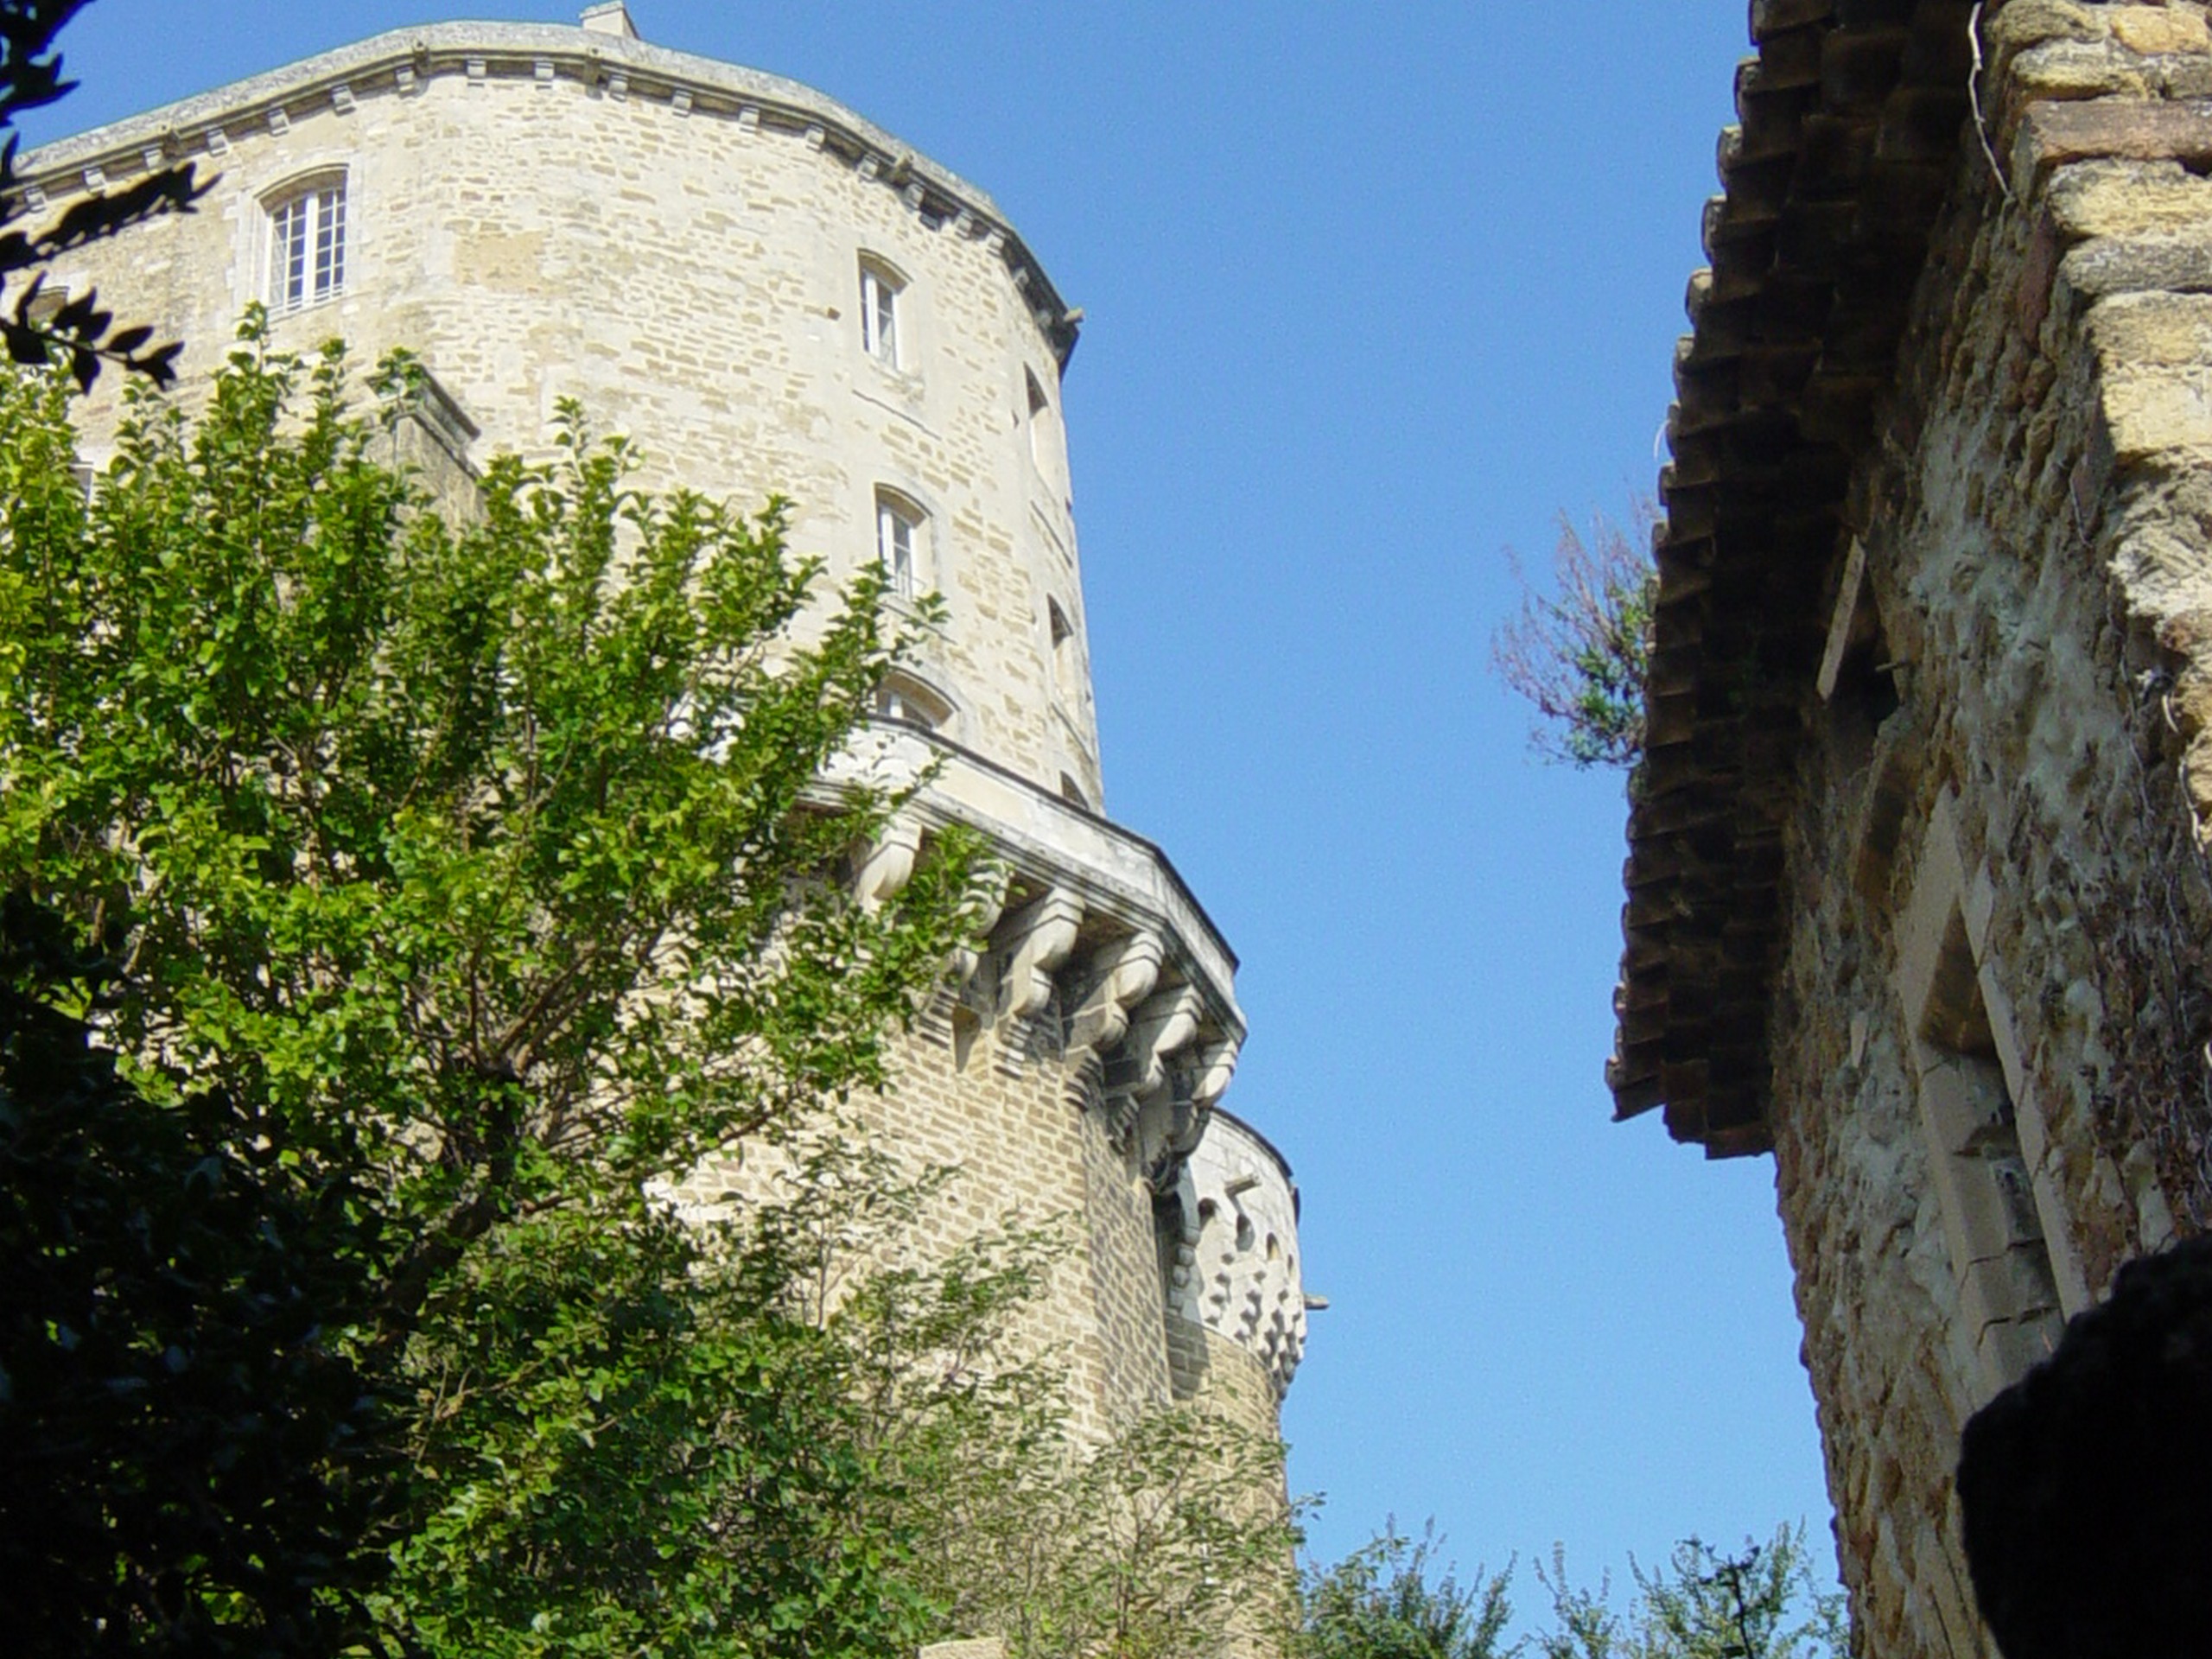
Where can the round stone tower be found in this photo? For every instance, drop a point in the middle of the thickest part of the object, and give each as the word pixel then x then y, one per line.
pixel 768 293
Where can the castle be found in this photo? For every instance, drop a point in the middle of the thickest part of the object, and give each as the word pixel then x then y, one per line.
pixel 770 294
pixel 1917 885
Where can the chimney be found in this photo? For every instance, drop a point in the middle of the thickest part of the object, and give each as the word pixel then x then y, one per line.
pixel 610 18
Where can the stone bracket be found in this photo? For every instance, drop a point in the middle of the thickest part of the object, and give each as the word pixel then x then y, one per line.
pixel 1122 976
pixel 1037 941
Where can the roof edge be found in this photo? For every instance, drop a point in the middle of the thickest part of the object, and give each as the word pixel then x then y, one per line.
pixel 399 61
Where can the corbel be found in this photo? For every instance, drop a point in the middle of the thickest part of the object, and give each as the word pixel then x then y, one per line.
pixel 680 101
pixel 1122 976
pixel 1038 941
pixel 280 123
pixel 1162 1025
pixel 341 100
pixel 960 966
pixel 218 141
pixel 540 71
pixel 889 863
pixel 1215 1068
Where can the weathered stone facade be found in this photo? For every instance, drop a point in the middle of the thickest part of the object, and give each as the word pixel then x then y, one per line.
pixel 1917 890
pixel 766 293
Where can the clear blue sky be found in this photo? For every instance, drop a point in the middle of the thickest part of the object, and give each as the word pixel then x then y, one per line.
pixel 1374 292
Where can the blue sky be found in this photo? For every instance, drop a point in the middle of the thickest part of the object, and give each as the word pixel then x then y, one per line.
pixel 1374 292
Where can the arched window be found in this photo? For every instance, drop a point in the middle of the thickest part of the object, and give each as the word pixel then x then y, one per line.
pixel 881 288
pixel 1047 450
pixel 901 697
pixel 306 242
pixel 902 543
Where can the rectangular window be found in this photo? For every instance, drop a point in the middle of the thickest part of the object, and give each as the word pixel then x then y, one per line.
pixel 307 246
pixel 880 316
pixel 897 534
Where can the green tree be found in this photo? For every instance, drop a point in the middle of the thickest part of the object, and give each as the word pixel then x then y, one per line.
pixel 1381 1602
pixel 1578 649
pixel 186 1464
pixel 480 872
pixel 1761 1603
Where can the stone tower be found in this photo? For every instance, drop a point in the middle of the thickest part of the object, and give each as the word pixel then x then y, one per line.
pixel 769 294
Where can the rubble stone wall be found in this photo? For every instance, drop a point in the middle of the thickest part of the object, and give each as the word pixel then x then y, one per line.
pixel 1989 1086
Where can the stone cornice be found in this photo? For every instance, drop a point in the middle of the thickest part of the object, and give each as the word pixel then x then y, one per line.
pixel 1098 955
pixel 399 62
pixel 1058 846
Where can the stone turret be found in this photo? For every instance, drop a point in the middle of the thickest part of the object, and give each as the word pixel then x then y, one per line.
pixel 771 295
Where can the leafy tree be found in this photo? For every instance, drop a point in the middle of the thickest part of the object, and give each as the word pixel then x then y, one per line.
pixel 477 873
pixel 475 864
pixel 1759 1603
pixel 1380 1602
pixel 1579 652
pixel 185 1462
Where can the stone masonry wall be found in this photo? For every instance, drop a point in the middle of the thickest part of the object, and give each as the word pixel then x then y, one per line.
pixel 692 278
pixel 541 215
pixel 1989 1086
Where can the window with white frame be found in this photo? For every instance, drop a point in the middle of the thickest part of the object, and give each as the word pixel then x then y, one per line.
pixel 901 697
pixel 900 542
pixel 880 302
pixel 307 244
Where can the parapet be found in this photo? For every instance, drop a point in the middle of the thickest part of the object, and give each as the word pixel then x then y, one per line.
pixel 1235 1269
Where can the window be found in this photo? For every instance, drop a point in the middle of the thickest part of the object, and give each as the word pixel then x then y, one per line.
pixel 879 292
pixel 1048 450
pixel 1064 664
pixel 899 542
pixel 903 697
pixel 307 246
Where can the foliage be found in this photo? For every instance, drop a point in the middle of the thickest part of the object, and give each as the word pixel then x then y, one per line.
pixel 1579 652
pixel 1152 1545
pixel 1380 1603
pixel 185 1463
pixel 76 330
pixel 1760 1603
pixel 474 874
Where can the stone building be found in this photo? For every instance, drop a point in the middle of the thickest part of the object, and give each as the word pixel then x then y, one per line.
pixel 1917 890
pixel 769 294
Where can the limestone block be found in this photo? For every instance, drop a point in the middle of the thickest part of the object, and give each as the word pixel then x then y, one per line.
pixel 2108 198
pixel 2153 30
pixel 2153 412
pixel 2071 69
pixel 2147 330
pixel 2025 22
pixel 2169 261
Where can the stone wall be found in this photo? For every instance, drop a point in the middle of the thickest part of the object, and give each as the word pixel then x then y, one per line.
pixel 1989 1019
pixel 541 213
